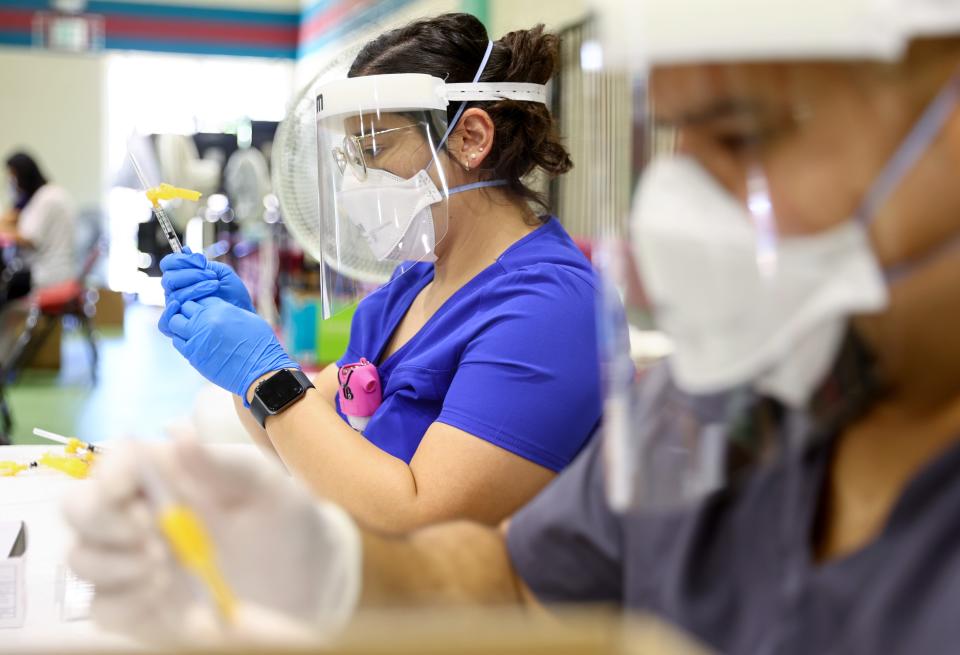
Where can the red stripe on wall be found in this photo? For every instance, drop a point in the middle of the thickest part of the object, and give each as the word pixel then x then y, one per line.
pixel 210 32
pixel 13 19
pixel 322 22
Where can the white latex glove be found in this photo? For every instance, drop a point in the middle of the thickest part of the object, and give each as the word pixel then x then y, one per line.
pixel 293 562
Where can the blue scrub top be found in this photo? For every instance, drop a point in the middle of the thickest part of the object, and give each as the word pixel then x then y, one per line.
pixel 510 358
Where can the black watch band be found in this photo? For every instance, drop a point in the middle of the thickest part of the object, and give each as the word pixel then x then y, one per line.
pixel 278 392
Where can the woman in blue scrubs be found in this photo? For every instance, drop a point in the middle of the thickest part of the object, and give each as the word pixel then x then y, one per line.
pixel 484 343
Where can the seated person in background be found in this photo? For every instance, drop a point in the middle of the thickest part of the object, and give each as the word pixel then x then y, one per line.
pixel 41 224
pixel 832 331
pixel 485 336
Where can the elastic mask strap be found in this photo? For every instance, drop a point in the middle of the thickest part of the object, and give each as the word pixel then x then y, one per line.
pixel 476 185
pixel 463 105
pixel 913 147
pixel 902 162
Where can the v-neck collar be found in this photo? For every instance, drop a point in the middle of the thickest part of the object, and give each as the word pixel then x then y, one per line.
pixel 398 317
pixel 805 491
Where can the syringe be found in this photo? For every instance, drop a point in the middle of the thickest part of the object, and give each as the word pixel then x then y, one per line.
pixel 189 540
pixel 72 444
pixel 164 192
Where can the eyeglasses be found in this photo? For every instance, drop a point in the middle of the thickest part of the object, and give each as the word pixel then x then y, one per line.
pixel 350 152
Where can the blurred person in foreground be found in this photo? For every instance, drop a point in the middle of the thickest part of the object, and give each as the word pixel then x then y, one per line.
pixel 786 482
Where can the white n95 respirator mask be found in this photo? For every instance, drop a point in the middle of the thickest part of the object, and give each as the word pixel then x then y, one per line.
pixel 392 213
pixel 736 320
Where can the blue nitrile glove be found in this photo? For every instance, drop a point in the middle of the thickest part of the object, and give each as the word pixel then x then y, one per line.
pixel 227 345
pixel 191 276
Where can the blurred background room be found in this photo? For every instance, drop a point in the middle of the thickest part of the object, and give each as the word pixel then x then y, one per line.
pixel 197 90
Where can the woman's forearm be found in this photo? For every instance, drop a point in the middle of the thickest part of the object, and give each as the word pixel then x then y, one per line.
pixel 338 463
pixel 257 433
pixel 11 233
pixel 326 383
pixel 452 475
pixel 8 222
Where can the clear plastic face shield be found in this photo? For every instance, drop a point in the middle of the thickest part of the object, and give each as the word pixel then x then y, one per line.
pixel 383 181
pixel 771 217
pixel 385 175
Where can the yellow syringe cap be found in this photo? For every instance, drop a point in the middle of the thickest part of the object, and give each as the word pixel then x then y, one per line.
pixel 76 468
pixel 10 469
pixel 193 548
pixel 168 192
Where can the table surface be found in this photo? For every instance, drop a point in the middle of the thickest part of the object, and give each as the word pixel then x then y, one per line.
pixel 34 497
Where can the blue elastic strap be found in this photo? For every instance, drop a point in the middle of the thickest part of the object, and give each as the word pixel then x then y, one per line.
pixel 463 105
pixel 902 162
pixel 453 124
pixel 914 146
pixel 476 185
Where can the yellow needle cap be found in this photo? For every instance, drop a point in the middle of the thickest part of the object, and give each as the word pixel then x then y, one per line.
pixel 168 192
pixel 10 469
pixel 72 466
pixel 193 549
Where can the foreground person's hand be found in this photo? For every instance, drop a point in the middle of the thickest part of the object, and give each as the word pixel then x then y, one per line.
pixel 292 562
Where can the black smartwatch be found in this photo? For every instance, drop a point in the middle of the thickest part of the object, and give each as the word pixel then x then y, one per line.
pixel 278 392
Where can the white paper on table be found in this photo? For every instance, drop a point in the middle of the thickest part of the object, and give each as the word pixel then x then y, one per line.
pixel 13 594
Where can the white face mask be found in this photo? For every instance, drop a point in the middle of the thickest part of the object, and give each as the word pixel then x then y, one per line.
pixel 407 234
pixel 733 321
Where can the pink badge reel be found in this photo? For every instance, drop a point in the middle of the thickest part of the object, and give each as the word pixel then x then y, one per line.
pixel 360 393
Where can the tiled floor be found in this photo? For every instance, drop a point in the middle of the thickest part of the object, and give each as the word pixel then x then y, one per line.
pixel 143 384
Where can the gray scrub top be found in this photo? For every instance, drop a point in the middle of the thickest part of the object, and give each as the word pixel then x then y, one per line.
pixel 736 569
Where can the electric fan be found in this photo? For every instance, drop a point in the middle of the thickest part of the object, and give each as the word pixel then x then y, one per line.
pixel 295 180
pixel 246 180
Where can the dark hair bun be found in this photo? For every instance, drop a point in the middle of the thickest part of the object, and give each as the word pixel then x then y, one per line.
pixel 533 55
pixel 451 46
pixel 526 136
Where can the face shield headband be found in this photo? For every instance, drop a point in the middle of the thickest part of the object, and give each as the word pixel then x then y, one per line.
pixel 384 93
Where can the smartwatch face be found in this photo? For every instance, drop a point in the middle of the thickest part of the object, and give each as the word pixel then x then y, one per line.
pixel 279 390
